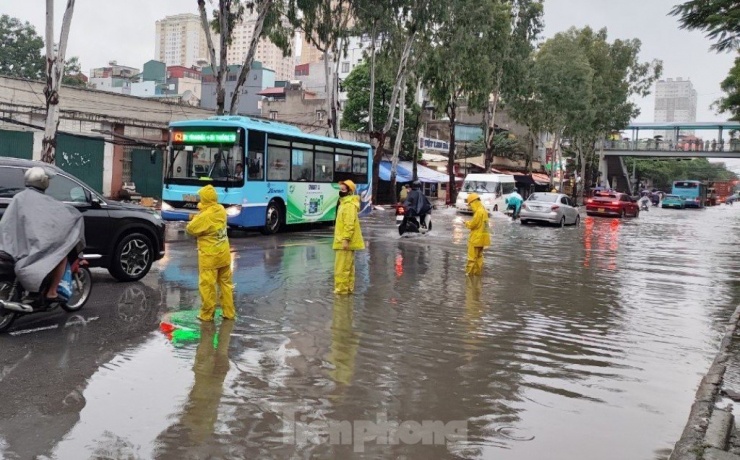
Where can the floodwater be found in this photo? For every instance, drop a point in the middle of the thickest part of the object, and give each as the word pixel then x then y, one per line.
pixel 578 343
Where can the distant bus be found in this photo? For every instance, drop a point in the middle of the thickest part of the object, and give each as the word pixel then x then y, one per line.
pixel 693 191
pixel 267 174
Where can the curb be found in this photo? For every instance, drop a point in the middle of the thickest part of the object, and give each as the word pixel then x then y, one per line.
pixel 708 430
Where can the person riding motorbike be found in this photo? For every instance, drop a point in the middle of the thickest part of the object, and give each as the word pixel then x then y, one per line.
pixel 40 233
pixel 645 203
pixel 514 202
pixel 417 204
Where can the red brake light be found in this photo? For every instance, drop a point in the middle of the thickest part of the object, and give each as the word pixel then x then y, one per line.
pixel 615 202
pixel 555 207
pixel 589 201
pixel 399 210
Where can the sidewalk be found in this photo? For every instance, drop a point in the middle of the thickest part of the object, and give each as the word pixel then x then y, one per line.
pixel 711 432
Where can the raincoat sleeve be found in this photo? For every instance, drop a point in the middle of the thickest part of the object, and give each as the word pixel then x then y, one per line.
pixel 348 217
pixel 198 226
pixel 476 222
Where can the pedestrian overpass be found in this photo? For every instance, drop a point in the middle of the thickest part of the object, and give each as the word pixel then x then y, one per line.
pixel 667 140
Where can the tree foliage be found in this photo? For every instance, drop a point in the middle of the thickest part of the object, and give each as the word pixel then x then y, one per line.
pixel 730 103
pixel 20 49
pixel 72 73
pixel 664 172
pixel 720 19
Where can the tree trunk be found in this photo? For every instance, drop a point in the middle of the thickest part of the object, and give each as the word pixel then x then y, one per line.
pixel 377 158
pixel 399 137
pixel 54 71
pixel 223 19
pixel 327 88
pixel 491 122
pixel 451 186
pixel 555 142
pixel 335 122
pixel 371 108
pixel 417 128
pixel 263 8
pixel 207 32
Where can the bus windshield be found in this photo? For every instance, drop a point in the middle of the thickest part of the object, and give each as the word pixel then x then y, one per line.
pixel 197 157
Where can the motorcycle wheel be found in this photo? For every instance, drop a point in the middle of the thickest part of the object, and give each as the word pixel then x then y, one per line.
pixel 83 287
pixel 7 317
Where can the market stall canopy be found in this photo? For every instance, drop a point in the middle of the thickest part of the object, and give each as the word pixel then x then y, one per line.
pixel 404 173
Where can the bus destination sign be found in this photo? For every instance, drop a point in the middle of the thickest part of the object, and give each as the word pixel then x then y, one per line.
pixel 203 137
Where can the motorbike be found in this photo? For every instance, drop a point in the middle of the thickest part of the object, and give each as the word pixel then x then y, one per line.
pixel 410 224
pixel 644 205
pixel 13 295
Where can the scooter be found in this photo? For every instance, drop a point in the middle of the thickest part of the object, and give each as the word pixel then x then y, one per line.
pixel 644 206
pixel 13 303
pixel 411 224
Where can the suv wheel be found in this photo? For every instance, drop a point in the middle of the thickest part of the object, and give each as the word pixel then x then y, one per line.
pixel 132 258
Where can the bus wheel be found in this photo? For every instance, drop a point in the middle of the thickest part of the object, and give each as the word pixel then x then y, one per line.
pixel 273 219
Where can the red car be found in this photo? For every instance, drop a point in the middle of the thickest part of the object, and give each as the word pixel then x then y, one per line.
pixel 613 204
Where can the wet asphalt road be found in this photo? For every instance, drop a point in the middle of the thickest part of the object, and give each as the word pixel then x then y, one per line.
pixel 578 343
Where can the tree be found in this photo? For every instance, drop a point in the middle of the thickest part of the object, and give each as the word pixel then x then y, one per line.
pixel 720 19
pixel 730 103
pixel 20 49
pixel 225 18
pixel 458 65
pixel 510 56
pixel 54 71
pixel 72 73
pixel 663 172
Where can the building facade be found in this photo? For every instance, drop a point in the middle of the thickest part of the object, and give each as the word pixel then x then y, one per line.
pixel 185 79
pixel 249 101
pixel 180 40
pixel 675 101
pixel 267 52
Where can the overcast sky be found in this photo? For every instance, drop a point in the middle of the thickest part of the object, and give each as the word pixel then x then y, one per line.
pixel 105 30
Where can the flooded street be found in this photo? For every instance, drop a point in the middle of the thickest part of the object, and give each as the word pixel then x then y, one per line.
pixel 578 343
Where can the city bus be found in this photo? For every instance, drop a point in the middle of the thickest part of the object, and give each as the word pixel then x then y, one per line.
pixel 267 174
pixel 693 191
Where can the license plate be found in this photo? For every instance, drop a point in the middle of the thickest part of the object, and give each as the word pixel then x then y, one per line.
pixel 190 198
pixel 601 209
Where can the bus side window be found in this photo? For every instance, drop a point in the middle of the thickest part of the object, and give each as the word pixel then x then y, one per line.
pixel 324 165
pixel 255 166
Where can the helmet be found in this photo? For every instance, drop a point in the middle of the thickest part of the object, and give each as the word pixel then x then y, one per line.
pixel 416 185
pixel 37 177
pixel 472 197
pixel 350 185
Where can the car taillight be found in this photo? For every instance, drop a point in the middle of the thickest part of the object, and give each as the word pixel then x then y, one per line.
pixel 399 210
pixel 554 207
pixel 615 203
pixel 589 201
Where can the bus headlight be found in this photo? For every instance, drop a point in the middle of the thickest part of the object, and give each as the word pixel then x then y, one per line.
pixel 233 211
pixel 167 207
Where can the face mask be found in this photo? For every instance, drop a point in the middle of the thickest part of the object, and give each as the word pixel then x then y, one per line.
pixel 343 194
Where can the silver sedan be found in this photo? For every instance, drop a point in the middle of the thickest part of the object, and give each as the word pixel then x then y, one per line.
pixel 553 208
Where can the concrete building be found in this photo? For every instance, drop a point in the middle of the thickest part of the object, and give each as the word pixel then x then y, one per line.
pixel 294 104
pixel 114 70
pixel 313 77
pixel 267 52
pixel 180 40
pixel 675 101
pixel 249 102
pixel 185 79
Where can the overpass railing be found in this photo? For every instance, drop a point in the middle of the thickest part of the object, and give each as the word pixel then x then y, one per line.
pixel 670 146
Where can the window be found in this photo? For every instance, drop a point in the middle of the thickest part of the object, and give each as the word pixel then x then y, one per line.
pixel 345 67
pixel 320 115
pixel 343 163
pixel 279 161
pixel 564 200
pixel 64 189
pixel 11 182
pixel 324 167
pixel 256 156
pixel 273 114
pixel 359 166
pixel 302 165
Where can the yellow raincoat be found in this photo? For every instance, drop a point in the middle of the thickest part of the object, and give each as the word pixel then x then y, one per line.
pixel 347 228
pixel 480 238
pixel 214 256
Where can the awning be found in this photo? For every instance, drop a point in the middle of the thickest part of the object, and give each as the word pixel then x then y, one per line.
pixel 541 178
pixel 404 173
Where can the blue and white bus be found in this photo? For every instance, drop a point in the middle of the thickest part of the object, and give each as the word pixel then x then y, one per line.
pixel 267 174
pixel 694 192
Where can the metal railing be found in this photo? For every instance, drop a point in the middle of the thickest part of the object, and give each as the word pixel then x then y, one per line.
pixel 670 146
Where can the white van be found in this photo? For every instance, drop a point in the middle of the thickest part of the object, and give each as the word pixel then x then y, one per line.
pixel 493 190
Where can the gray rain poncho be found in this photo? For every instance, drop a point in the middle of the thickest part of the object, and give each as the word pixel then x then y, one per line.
pixel 39 232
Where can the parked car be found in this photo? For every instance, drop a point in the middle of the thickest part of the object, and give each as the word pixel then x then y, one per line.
pixel 612 204
pixel 123 238
pixel 732 198
pixel 673 201
pixel 553 208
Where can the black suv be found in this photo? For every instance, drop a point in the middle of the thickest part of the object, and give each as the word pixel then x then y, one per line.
pixel 124 238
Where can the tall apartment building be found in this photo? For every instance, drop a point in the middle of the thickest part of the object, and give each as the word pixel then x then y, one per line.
pixel 675 101
pixel 181 41
pixel 267 53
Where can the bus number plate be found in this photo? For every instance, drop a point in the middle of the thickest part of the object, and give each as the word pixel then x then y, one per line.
pixel 190 198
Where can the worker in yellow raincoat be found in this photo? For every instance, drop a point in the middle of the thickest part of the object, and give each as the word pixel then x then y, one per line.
pixel 480 237
pixel 347 238
pixel 214 255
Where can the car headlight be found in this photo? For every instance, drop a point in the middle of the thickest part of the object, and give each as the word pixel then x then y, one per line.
pixel 233 211
pixel 166 207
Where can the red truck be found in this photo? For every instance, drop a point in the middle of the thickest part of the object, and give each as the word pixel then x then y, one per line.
pixel 717 192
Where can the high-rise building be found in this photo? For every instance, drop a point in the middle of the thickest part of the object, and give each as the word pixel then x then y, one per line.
pixel 675 101
pixel 267 52
pixel 180 40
